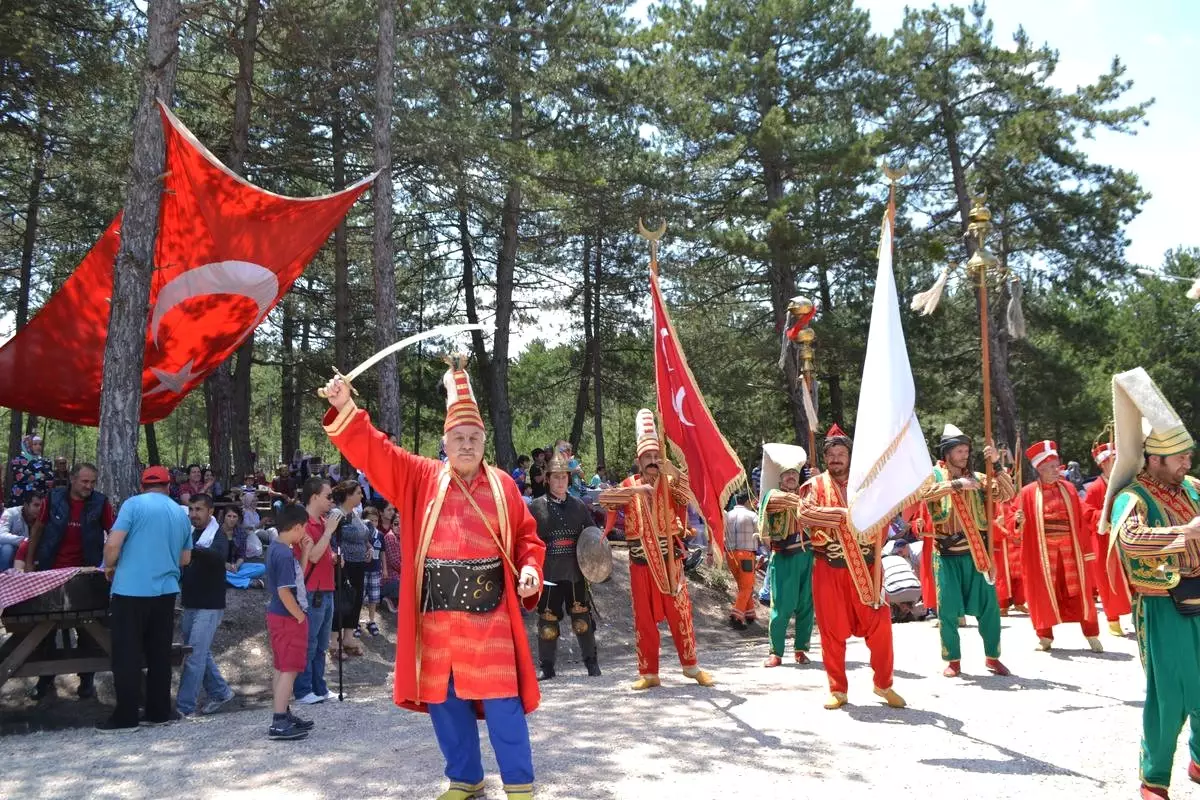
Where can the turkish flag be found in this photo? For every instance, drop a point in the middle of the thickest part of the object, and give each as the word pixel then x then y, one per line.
pixel 713 469
pixel 226 253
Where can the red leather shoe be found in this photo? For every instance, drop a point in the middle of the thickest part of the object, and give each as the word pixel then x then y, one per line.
pixel 1193 772
pixel 772 661
pixel 953 669
pixel 1154 793
pixel 995 667
pixel 802 657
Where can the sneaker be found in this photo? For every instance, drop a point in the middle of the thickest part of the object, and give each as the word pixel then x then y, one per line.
pixel 302 724
pixel 372 629
pixel 287 731
pixel 108 726
pixel 212 706
pixel 358 632
pixel 174 716
pixel 311 699
pixel 329 695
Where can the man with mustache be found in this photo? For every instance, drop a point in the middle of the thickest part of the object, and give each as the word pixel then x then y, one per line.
pixel 962 562
pixel 655 502
pixel 471 560
pixel 846 596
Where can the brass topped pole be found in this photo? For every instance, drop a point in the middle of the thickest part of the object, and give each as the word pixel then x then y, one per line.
pixel 980 263
pixel 801 307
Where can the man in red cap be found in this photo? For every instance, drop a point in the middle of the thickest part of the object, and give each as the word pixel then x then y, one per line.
pixel 1056 551
pixel 1107 573
pixel 459 655
pixel 655 502
pixel 148 544
pixel 846 594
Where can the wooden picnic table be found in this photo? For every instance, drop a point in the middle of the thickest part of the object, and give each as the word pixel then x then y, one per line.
pixel 80 604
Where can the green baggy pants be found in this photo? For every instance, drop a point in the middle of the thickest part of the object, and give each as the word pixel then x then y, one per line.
pixel 1169 644
pixel 790 579
pixel 963 591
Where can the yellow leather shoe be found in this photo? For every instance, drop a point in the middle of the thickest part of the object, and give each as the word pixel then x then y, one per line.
pixel 836 700
pixel 521 792
pixel 890 697
pixel 462 791
pixel 1115 628
pixel 700 676
pixel 1044 644
pixel 1094 643
pixel 645 682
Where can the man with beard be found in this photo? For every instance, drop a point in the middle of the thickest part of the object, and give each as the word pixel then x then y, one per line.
pixel 1156 521
pixel 962 562
pixel 791 567
pixel 561 518
pixel 655 506
pixel 1107 574
pixel 846 595
pixel 1057 550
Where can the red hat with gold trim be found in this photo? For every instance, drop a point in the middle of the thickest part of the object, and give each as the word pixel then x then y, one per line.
pixel 1103 452
pixel 647 432
pixel 461 408
pixel 834 437
pixel 1040 451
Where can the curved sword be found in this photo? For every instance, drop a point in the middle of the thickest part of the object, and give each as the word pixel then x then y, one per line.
pixel 441 330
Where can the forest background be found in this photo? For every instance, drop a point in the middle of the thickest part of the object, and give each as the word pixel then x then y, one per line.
pixel 525 139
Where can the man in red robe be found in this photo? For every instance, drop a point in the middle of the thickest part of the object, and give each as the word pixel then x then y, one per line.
pixel 460 655
pixel 845 582
pixel 655 502
pixel 1006 555
pixel 1107 575
pixel 1056 552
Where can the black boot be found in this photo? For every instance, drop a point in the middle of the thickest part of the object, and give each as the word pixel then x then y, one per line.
pixel 593 667
pixel 547 671
pixel 87 686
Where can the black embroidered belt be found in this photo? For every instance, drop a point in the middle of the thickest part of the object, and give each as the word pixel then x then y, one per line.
pixel 1186 596
pixel 475 584
pixel 637 550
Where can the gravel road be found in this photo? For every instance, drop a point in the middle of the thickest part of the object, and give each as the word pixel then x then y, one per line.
pixel 1066 724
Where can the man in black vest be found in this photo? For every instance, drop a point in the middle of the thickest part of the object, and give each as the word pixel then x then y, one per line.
pixel 70 533
pixel 561 518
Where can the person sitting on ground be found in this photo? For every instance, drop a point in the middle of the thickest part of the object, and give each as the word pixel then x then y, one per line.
pixel 15 525
pixel 251 521
pixel 202 595
pixel 149 543
pixel 287 620
pixel 283 487
pixel 374 574
pixel 245 567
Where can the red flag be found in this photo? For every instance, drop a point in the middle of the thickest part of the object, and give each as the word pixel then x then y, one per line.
pixel 226 253
pixel 713 469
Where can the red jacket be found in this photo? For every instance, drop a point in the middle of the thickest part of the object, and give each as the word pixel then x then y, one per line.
pixel 411 483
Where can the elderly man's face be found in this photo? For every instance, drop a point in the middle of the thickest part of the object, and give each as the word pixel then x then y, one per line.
pixel 83 483
pixel 789 481
pixel 1048 470
pixel 464 448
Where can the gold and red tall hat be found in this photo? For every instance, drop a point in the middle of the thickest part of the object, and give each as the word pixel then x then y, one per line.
pixel 647 432
pixel 1103 452
pixel 461 408
pixel 1040 451
pixel 836 436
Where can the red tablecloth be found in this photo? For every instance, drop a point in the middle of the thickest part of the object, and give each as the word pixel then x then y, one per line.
pixel 17 587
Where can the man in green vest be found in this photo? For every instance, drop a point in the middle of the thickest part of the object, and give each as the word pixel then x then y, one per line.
pixel 790 571
pixel 962 562
pixel 1153 506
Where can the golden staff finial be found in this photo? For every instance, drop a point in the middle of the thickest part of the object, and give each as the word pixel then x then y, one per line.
pixel 652 237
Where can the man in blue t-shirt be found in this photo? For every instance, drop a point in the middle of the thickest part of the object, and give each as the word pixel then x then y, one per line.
pixel 149 543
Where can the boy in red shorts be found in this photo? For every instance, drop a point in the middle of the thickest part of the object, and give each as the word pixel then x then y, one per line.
pixel 286 619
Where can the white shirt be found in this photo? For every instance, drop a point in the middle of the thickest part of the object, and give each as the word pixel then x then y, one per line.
pixel 741 527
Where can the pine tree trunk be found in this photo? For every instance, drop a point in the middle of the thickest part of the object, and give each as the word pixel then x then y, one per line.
pixel 153 458
pixel 783 288
pixel 837 402
pixel 289 412
pixel 585 363
pixel 124 349
pixel 506 264
pixel 341 255
pixel 597 342
pixel 33 207
pixel 383 256
pixel 243 451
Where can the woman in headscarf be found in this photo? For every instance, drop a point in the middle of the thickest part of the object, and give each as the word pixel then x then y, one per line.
pixel 29 471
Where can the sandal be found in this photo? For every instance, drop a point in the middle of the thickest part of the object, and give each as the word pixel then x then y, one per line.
pixel 372 629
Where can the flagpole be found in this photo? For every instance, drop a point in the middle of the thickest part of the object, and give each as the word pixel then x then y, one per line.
pixel 978 265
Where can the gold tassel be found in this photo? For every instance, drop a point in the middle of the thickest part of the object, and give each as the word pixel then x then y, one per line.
pixel 1194 292
pixel 926 302
pixel 1016 314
